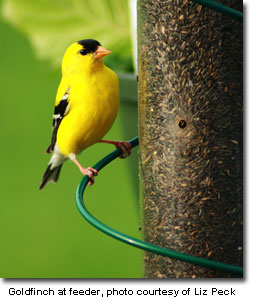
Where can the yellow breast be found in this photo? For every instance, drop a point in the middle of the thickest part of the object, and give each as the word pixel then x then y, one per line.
pixel 94 102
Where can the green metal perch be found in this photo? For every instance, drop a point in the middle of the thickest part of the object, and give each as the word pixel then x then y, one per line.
pixel 136 242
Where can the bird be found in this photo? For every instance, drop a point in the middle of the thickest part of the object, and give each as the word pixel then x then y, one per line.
pixel 86 106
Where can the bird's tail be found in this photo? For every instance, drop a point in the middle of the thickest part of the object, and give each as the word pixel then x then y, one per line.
pixel 53 170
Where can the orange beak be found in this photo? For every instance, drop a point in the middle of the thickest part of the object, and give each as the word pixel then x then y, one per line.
pixel 101 52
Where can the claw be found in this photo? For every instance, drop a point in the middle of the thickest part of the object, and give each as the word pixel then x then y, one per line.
pixel 90 171
pixel 125 146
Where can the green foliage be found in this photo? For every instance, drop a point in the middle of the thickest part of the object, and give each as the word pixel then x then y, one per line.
pixel 51 26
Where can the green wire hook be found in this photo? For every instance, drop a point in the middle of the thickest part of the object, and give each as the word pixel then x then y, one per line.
pixel 136 242
pixel 233 13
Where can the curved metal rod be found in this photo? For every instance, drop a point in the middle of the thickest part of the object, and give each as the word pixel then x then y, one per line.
pixel 136 242
pixel 221 8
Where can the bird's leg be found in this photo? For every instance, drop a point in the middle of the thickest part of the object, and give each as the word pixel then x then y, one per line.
pixel 89 171
pixel 125 146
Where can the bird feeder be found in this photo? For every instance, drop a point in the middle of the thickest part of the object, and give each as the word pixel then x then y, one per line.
pixel 191 135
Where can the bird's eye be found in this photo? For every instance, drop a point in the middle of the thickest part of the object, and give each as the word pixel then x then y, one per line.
pixel 83 52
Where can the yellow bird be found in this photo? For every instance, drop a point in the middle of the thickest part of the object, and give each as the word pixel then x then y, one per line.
pixel 86 106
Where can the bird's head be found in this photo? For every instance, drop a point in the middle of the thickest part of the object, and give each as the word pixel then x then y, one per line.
pixel 83 56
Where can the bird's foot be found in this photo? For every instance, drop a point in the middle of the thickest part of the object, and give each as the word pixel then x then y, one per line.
pixel 125 146
pixel 90 172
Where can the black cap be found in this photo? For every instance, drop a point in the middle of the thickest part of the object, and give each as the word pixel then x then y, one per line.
pixel 89 44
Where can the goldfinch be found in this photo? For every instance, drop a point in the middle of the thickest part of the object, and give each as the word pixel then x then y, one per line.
pixel 86 106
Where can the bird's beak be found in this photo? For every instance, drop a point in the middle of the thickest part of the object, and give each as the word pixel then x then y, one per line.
pixel 101 52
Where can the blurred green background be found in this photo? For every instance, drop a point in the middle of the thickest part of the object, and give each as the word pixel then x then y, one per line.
pixel 42 233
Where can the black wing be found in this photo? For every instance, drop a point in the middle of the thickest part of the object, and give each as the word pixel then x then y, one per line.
pixel 60 111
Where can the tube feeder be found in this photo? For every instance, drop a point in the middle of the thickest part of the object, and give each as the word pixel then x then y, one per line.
pixel 191 135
